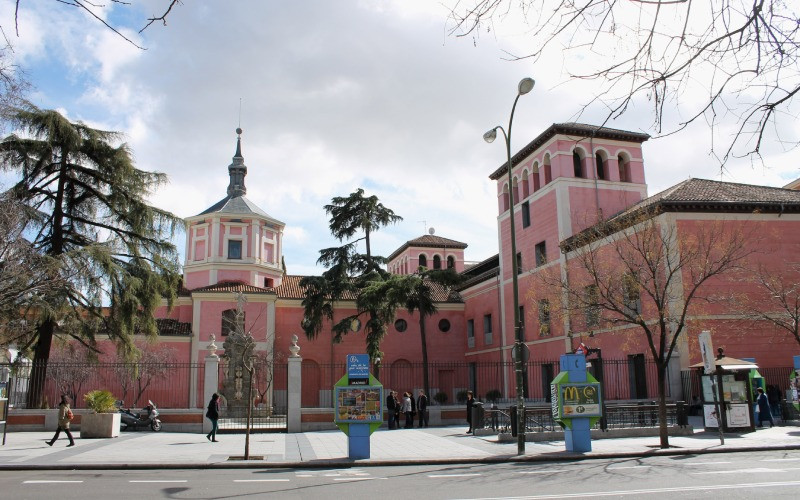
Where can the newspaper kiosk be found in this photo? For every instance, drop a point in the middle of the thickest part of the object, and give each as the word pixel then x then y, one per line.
pixel 734 394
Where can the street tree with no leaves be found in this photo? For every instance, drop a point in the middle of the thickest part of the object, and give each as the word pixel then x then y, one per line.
pixel 640 274
pixel 730 63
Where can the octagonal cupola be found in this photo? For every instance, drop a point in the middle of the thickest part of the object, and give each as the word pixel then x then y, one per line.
pixel 234 239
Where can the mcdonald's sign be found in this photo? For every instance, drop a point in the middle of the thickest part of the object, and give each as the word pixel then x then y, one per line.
pixel 579 400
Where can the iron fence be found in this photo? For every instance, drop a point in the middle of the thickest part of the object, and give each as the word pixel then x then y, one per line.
pixel 168 385
pixel 617 416
pixel 489 381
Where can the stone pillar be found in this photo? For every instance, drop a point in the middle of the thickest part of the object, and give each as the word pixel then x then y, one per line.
pixel 294 388
pixel 211 380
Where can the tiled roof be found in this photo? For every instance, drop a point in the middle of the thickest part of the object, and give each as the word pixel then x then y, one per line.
pixel 428 241
pixel 173 328
pixel 238 205
pixel 233 287
pixel 290 289
pixel 702 195
pixel 571 129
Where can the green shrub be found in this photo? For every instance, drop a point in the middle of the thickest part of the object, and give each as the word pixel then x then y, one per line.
pixel 440 397
pixel 493 395
pixel 461 396
pixel 100 401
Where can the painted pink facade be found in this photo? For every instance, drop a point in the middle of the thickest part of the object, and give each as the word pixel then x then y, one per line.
pixel 564 181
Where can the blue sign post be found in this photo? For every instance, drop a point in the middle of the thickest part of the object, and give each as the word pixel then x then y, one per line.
pixel 576 401
pixel 359 411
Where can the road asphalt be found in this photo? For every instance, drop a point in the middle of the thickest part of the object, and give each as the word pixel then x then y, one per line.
pixel 434 445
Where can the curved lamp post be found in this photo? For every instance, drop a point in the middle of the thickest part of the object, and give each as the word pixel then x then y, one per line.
pixel 525 86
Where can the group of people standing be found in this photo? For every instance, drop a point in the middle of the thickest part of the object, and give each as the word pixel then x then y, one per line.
pixel 407 406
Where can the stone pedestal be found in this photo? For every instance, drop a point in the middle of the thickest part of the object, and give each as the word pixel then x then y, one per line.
pixel 294 388
pixel 210 381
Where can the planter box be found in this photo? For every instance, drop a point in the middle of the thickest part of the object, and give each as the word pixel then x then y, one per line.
pixel 100 425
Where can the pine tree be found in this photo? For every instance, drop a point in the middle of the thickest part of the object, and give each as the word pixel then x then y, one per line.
pixel 352 275
pixel 113 246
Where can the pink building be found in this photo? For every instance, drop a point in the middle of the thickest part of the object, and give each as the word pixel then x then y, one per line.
pixel 564 181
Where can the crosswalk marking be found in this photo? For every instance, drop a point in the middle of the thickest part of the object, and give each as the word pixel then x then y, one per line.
pixel 259 480
pixel 451 475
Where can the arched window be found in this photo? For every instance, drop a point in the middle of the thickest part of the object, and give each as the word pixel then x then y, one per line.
pixel 516 190
pixel 624 168
pixel 231 322
pixel 525 189
pixel 423 261
pixel 548 171
pixel 536 181
pixel 451 262
pixel 505 197
pixel 601 166
pixel 437 262
pixel 576 164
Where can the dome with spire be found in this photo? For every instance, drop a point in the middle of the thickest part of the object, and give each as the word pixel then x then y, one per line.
pixel 235 203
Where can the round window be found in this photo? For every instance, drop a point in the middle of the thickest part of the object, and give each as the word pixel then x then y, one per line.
pixel 444 325
pixel 355 325
pixel 400 325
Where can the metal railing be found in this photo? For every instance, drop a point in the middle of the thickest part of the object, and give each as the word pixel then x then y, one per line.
pixel 618 416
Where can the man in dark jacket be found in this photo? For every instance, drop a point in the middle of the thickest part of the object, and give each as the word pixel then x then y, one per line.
pixel 422 408
pixel 390 408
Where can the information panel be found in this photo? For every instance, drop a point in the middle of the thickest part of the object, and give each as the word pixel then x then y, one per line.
pixel 580 400
pixel 358 404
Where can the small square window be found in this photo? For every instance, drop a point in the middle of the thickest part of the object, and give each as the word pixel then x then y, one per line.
pixel 234 249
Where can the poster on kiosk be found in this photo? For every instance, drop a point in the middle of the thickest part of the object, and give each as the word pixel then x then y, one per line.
pixel 357 399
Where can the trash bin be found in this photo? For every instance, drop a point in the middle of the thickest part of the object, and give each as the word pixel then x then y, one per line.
pixel 478 415
pixel 512 411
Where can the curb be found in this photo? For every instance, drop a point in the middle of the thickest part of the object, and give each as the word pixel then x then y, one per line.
pixel 345 463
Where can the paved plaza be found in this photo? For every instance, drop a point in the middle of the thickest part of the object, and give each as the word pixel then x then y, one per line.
pixel 27 450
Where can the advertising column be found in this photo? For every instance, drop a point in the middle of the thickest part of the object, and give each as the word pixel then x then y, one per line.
pixel 576 401
pixel 358 411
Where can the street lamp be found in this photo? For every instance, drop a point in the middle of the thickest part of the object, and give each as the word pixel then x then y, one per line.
pixel 525 86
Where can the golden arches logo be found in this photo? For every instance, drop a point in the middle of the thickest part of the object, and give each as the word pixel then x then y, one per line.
pixel 571 393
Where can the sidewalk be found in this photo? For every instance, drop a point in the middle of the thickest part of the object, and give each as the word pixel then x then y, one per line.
pixel 441 445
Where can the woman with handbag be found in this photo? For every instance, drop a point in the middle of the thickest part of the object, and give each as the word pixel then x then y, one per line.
pixel 213 415
pixel 64 418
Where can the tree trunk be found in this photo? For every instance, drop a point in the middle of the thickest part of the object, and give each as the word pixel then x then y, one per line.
pixel 663 430
pixel 249 415
pixel 39 369
pixel 425 382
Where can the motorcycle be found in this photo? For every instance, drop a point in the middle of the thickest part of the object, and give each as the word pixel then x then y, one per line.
pixel 148 417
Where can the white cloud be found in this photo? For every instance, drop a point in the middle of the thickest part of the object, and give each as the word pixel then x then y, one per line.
pixel 335 96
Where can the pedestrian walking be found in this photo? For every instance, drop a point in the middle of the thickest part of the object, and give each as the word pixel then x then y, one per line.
pixel 64 418
pixel 422 408
pixel 764 412
pixel 413 406
pixel 470 404
pixel 212 413
pixel 391 406
pixel 407 410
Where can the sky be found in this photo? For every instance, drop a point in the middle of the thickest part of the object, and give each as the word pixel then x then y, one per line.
pixel 331 96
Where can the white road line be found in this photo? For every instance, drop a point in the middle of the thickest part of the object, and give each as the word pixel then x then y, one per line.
pixel 452 475
pixel 304 475
pixel 539 471
pixel 159 481
pixel 630 467
pixel 645 491
pixel 260 480
pixel 780 459
pixel 45 481
pixel 705 463
pixel 757 470
pixel 356 478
